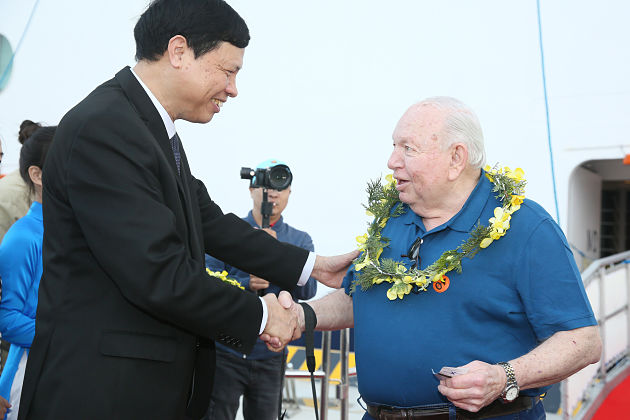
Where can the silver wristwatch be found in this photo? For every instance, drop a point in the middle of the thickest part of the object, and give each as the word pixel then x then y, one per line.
pixel 510 392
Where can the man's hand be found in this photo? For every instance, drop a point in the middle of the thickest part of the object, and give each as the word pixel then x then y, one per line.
pixel 474 390
pixel 331 270
pixel 281 324
pixel 4 406
pixel 271 232
pixel 256 283
pixel 287 302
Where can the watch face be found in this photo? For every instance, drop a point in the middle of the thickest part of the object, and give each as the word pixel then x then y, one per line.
pixel 511 393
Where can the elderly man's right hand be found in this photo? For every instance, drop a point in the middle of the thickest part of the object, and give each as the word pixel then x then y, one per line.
pixel 282 323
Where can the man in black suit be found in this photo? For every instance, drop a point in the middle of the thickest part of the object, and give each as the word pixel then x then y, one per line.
pixel 126 313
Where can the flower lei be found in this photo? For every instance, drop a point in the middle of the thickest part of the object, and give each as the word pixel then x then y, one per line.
pixel 223 277
pixel 383 203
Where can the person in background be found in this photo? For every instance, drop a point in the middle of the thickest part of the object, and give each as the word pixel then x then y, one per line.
pixel 15 200
pixel 21 270
pixel 514 320
pixel 257 376
pixel 15 196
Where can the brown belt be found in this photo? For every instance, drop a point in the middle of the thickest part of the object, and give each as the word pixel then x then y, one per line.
pixel 495 409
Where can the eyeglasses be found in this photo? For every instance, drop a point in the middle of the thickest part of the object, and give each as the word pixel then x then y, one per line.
pixel 414 253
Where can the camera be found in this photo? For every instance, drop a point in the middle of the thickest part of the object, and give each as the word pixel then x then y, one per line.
pixel 277 177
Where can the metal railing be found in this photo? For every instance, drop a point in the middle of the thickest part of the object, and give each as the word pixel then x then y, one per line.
pixel 607 284
pixel 323 374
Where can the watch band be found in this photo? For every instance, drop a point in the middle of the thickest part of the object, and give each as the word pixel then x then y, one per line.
pixel 510 384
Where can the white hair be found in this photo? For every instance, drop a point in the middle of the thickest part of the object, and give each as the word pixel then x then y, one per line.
pixel 460 125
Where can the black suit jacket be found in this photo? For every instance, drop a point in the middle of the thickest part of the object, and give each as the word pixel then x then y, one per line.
pixel 126 312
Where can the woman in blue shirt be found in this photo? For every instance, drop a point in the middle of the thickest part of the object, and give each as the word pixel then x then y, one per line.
pixel 21 270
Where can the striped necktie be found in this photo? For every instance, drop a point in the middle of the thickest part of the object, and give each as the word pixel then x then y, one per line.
pixel 175 147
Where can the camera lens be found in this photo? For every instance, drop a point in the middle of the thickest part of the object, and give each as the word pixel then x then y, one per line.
pixel 247 173
pixel 280 177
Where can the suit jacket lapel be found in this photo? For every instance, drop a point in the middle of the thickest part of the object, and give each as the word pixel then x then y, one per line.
pixel 147 112
pixel 194 221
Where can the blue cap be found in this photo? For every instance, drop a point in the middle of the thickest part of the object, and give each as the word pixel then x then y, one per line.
pixel 270 163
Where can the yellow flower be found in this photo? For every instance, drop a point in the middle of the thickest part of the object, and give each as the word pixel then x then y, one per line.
pixel 380 280
pixel 487 168
pixel 361 241
pixel 400 268
pixel 489 177
pixel 378 253
pixel 390 179
pixel 369 213
pixel 517 175
pixel 223 277
pixel 501 220
pixel 359 266
pixel 421 282
pixel 485 242
pixel 383 222
pixel 391 294
pixel 516 200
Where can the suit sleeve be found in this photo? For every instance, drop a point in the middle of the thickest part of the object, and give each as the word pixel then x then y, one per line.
pixel 116 185
pixel 310 288
pixel 251 250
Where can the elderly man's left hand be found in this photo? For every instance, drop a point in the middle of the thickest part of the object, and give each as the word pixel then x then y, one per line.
pixel 482 384
pixel 330 271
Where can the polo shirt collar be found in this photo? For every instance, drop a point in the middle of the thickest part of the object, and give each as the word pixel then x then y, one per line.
pixel 252 221
pixel 467 217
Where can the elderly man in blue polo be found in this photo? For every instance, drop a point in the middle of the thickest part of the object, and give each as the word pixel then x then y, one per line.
pixel 455 297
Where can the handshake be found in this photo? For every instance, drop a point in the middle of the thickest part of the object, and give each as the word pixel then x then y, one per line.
pixel 285 321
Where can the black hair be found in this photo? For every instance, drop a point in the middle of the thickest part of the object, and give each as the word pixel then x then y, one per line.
pixel 34 151
pixel 27 128
pixel 204 24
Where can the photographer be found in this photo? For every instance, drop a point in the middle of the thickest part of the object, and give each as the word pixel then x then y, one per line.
pixel 258 375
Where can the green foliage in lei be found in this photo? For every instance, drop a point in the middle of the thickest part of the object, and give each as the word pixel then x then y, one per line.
pixel 383 203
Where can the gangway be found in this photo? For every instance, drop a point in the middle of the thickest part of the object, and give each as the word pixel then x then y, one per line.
pixel 607 284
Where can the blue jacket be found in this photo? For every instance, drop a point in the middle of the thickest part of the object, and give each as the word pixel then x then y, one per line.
pixel 21 270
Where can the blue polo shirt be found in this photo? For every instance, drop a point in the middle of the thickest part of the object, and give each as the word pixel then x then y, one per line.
pixel 512 295
pixel 284 233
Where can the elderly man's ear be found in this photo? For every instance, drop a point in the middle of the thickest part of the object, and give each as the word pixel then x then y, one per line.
pixel 459 160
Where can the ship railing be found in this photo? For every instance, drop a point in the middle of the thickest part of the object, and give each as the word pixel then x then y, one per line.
pixel 607 285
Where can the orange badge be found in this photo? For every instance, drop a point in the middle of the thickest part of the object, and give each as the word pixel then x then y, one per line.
pixel 442 285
